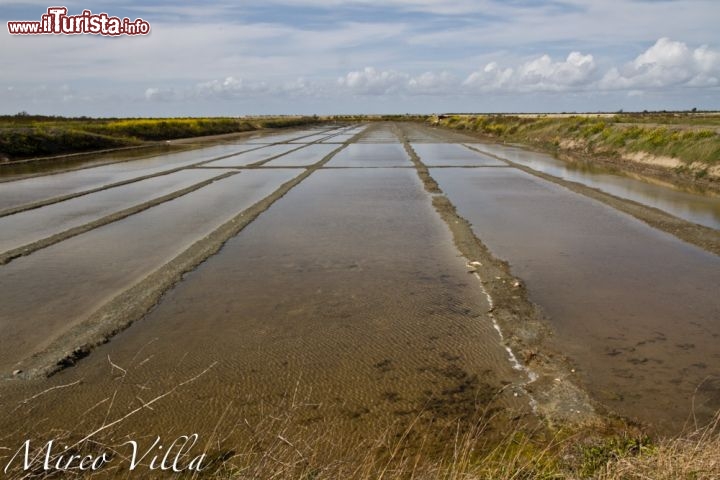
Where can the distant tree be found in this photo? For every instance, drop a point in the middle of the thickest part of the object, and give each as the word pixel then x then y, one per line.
pixel 694 110
pixel 22 114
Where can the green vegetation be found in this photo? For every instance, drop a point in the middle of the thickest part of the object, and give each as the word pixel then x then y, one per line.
pixel 44 141
pixel 27 136
pixel 671 118
pixel 693 141
pixel 171 128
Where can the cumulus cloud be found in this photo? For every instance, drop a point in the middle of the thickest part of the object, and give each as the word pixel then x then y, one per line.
pixel 230 87
pixel 540 74
pixel 432 83
pixel 667 63
pixel 370 81
pixel 158 94
pixel 492 77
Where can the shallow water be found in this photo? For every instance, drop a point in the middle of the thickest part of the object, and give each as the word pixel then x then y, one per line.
pixel 636 308
pixel 314 138
pixel 694 207
pixel 254 156
pixel 45 293
pixel 339 138
pixel 30 190
pixel 344 311
pixel 312 305
pixel 303 157
pixel 279 137
pixel 302 136
pixel 371 155
pixel 378 134
pixel 450 154
pixel 33 225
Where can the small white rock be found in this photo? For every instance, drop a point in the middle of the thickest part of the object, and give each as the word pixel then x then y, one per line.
pixel 16 372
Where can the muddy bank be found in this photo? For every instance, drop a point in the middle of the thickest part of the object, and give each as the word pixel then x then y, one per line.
pixel 669 151
pixel 665 169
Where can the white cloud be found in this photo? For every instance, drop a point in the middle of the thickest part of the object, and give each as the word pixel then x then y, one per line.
pixel 370 81
pixel 667 63
pixel 432 83
pixel 152 93
pixel 492 77
pixel 230 87
pixel 540 74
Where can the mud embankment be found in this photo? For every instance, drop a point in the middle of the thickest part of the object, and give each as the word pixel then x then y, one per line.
pixel 673 153
pixel 693 176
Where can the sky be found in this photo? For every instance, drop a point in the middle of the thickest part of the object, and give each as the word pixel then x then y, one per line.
pixel 266 57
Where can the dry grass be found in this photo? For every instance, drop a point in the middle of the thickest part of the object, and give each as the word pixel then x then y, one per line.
pixel 276 448
pixel 279 442
pixel 695 456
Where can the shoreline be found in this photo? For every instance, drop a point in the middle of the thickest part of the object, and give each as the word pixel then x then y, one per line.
pixel 667 170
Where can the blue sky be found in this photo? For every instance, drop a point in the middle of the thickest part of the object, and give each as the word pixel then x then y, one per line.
pixel 366 56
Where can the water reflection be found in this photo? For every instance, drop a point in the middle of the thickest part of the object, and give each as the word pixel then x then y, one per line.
pixel 700 208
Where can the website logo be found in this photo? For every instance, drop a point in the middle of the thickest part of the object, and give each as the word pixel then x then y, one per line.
pixel 57 22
